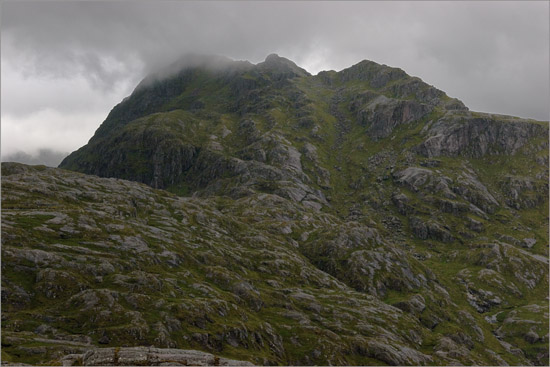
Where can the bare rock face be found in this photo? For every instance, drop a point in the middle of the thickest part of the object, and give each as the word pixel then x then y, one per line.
pixel 430 229
pixel 473 190
pixel 369 266
pixel 460 133
pixel 382 115
pixel 523 192
pixel 397 357
pixel 415 305
pixel 146 356
pixel 414 177
pixel 146 154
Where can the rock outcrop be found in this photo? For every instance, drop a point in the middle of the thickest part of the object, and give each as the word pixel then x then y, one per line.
pixel 145 356
pixel 476 135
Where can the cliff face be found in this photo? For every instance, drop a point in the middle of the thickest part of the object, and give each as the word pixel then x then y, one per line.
pixel 352 217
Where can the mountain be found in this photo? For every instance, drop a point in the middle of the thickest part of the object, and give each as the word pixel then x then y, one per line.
pixel 262 214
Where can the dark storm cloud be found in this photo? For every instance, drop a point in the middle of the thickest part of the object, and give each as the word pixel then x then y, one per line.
pixel 492 55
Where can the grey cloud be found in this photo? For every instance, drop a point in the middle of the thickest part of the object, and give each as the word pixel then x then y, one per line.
pixel 44 156
pixel 467 37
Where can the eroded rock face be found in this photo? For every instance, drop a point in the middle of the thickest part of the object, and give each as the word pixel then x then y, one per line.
pixel 146 356
pixel 382 115
pixel 396 356
pixel 462 134
pixel 415 305
pixel 523 192
pixel 358 257
pixel 430 229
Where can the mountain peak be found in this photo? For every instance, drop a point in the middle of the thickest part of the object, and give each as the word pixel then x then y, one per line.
pixel 274 57
pixel 378 75
pixel 281 66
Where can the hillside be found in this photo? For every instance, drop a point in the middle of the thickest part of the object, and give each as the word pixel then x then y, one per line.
pixel 357 217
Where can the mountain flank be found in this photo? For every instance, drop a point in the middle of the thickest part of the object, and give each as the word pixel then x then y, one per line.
pixel 240 213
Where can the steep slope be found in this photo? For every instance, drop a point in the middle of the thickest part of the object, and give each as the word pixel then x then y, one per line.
pixel 237 112
pixel 365 184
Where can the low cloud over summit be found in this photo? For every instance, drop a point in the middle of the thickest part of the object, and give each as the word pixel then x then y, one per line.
pixel 64 65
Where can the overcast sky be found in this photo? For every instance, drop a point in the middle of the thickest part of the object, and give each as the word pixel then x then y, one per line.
pixel 66 64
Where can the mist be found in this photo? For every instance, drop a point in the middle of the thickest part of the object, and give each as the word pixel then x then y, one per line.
pixel 45 156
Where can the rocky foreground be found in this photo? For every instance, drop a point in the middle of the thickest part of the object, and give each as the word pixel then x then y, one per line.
pixel 142 356
pixel 92 262
pixel 360 217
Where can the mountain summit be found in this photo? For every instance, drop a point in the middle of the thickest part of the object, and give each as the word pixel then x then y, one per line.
pixel 275 94
pixel 264 215
pixel 281 67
